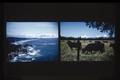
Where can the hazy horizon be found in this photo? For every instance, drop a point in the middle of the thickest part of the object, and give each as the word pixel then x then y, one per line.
pixel 32 29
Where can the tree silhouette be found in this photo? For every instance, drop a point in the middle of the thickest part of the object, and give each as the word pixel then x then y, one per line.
pixel 102 26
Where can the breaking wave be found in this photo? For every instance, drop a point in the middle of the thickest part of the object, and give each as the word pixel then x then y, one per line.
pixel 22 41
pixel 25 57
pixel 34 50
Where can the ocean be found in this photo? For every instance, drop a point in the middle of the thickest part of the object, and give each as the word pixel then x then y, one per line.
pixel 42 49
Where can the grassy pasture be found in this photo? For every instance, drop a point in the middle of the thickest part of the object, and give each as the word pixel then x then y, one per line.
pixel 71 55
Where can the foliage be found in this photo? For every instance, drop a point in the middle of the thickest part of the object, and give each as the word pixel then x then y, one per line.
pixel 102 26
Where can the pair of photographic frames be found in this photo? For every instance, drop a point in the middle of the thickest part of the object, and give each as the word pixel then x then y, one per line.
pixel 59 41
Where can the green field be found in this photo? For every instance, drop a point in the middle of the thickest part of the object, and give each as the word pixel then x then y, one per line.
pixel 71 55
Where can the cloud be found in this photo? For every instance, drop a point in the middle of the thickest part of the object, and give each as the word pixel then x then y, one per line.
pixel 98 36
pixel 105 36
pixel 84 36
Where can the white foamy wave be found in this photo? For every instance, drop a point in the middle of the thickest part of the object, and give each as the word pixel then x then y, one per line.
pixel 20 55
pixel 25 57
pixel 14 59
pixel 22 41
pixel 34 52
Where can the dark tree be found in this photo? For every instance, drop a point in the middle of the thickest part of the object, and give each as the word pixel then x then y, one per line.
pixel 102 26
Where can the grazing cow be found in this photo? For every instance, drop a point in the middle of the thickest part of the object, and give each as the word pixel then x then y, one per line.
pixel 97 46
pixel 74 45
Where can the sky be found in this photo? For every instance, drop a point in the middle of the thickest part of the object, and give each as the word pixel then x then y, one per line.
pixel 77 29
pixel 32 29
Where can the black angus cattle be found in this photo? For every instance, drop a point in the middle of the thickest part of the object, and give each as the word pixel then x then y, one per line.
pixel 96 47
pixel 74 45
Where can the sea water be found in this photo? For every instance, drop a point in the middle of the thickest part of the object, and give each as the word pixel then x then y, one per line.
pixel 43 49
